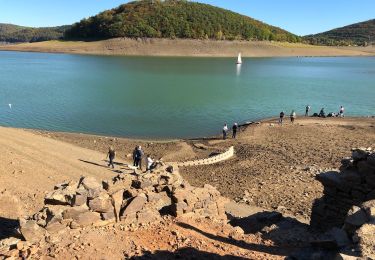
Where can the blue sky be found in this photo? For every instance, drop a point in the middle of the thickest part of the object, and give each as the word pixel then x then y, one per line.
pixel 297 16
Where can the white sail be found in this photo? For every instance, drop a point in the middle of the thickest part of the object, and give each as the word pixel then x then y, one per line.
pixel 239 59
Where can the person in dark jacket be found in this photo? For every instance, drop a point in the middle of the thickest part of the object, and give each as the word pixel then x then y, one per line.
pixel 111 156
pixel 234 130
pixel 282 114
pixel 134 156
pixel 138 157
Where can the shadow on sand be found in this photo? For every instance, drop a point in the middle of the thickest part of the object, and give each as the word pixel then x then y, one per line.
pixel 274 250
pixel 184 253
pixel 8 228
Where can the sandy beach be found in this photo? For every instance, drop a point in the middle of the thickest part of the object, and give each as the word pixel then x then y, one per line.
pixel 188 48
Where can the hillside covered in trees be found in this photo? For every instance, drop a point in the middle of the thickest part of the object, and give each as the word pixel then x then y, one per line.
pixel 175 19
pixel 361 34
pixel 14 33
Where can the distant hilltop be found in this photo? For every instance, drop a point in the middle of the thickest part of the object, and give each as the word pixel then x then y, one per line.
pixel 14 33
pixel 358 34
pixel 175 19
pixel 181 19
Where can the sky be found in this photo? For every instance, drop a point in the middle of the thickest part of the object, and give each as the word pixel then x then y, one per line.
pixel 300 17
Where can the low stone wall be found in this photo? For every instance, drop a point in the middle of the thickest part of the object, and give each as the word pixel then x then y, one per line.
pixel 354 184
pixel 211 160
pixel 347 209
pixel 138 199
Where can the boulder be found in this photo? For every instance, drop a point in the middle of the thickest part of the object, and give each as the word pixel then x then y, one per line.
pixel 179 208
pixel 148 216
pixel 356 217
pixel 59 197
pixel 79 199
pixel 369 208
pixel 142 183
pixel 87 218
pixel 56 226
pixel 340 236
pixel 109 216
pixel 117 199
pixel 90 183
pixel 101 204
pixel 366 240
pixel 159 200
pixel 92 186
pixel 73 213
pixel 135 205
pixel 359 154
pixel 31 231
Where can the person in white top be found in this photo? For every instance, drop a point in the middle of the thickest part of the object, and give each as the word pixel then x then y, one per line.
pixel 293 116
pixel 225 131
pixel 341 111
pixel 150 163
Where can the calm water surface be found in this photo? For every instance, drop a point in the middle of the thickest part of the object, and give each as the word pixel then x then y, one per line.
pixel 173 97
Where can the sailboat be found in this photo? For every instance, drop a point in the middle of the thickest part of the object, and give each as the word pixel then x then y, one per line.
pixel 239 59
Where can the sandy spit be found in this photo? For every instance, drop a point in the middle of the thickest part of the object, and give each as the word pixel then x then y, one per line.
pixel 188 48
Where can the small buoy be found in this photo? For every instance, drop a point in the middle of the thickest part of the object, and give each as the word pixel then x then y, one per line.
pixel 10 106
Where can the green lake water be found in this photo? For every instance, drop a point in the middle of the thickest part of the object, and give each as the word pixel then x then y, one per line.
pixel 173 97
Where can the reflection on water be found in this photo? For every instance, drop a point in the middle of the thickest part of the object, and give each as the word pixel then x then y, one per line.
pixel 238 69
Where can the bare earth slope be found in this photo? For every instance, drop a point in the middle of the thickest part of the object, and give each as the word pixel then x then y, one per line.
pixel 179 47
pixel 275 166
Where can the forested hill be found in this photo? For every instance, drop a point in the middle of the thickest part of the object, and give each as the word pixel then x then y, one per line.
pixel 356 34
pixel 175 19
pixel 14 33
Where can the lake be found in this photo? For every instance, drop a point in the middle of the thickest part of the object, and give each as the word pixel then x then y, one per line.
pixel 158 97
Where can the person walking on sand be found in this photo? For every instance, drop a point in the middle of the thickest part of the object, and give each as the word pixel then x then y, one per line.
pixel 293 116
pixel 307 110
pixel 111 156
pixel 341 112
pixel 225 131
pixel 234 130
pixel 282 114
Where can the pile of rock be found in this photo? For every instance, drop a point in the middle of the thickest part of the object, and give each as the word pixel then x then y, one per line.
pixel 138 199
pixel 349 202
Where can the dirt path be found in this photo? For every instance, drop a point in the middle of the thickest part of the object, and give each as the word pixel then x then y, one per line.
pixel 32 164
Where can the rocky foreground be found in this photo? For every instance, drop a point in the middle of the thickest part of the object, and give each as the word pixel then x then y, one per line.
pixel 137 215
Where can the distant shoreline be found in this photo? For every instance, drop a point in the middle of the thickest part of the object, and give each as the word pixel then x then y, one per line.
pixel 189 48
pixel 246 123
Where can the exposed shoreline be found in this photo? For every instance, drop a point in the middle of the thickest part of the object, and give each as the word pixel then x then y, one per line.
pixel 188 48
pixel 312 143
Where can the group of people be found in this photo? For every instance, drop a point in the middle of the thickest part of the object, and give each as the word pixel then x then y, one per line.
pixel 293 115
pixel 235 128
pixel 138 156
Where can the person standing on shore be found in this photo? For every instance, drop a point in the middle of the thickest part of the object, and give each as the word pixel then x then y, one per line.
pixel 111 156
pixel 282 114
pixel 138 157
pixel 150 163
pixel 134 156
pixel 293 116
pixel 225 131
pixel 234 130
pixel 341 111
pixel 307 110
pixel 322 113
